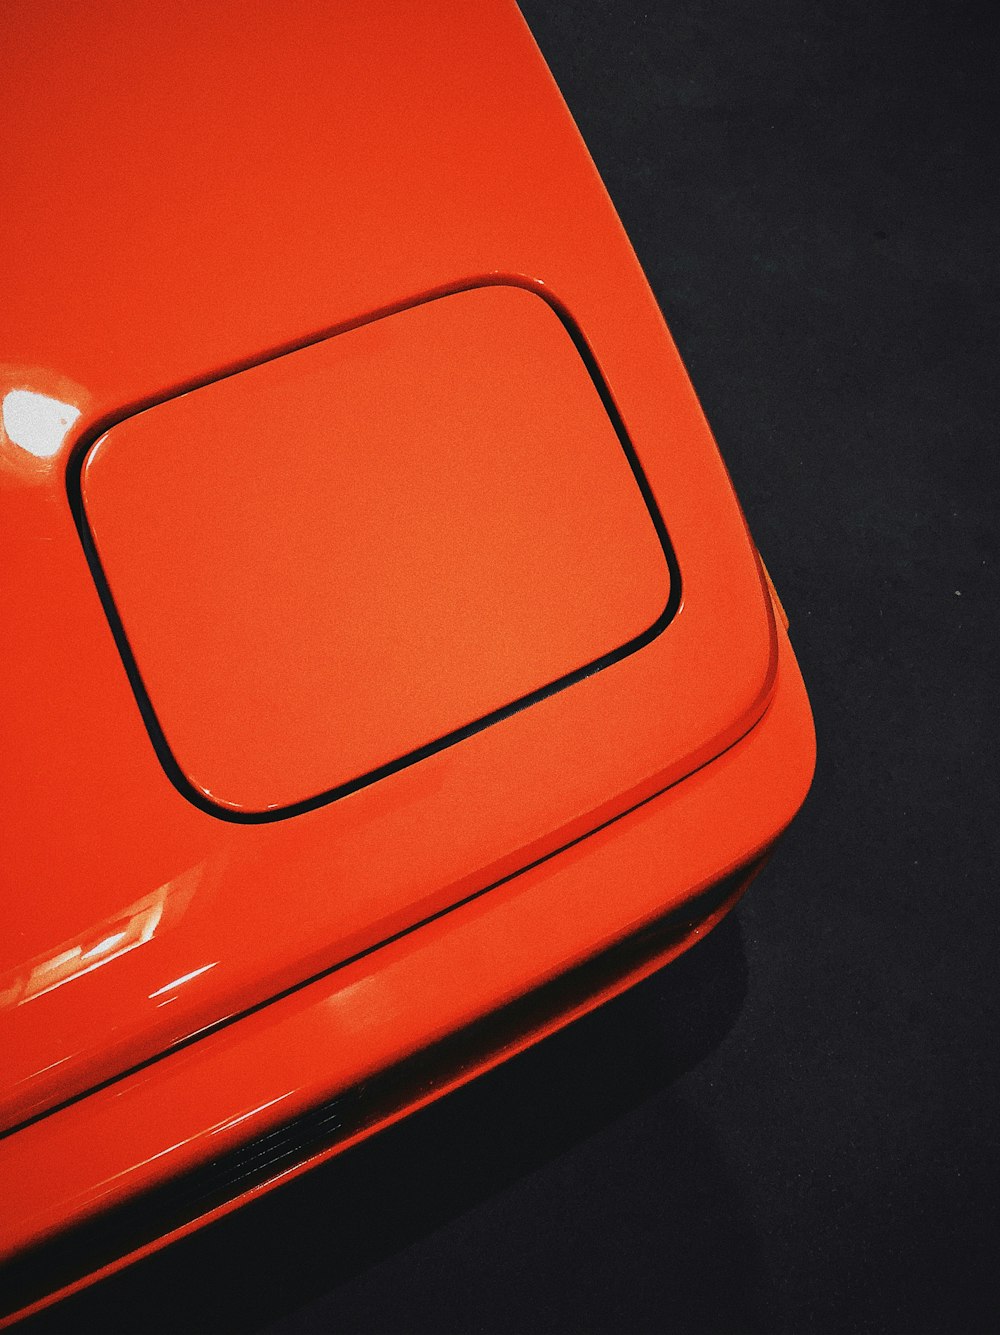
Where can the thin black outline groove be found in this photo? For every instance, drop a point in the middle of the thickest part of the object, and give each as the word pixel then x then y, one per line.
pixel 74 476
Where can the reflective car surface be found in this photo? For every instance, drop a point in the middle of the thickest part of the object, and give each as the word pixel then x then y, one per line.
pixel 388 673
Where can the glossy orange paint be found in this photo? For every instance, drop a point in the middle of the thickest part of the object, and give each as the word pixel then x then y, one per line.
pixel 250 1077
pixel 328 565
pixel 237 230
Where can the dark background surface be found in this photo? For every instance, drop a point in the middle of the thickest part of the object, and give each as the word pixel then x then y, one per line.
pixel 795 1127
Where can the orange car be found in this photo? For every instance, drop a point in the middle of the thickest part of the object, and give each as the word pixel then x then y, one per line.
pixel 388 675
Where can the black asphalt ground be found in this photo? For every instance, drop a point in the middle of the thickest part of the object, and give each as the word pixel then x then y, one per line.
pixel 795 1129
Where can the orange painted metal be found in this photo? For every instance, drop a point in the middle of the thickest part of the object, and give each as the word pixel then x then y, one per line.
pixel 251 1076
pixel 330 564
pixel 138 919
pixel 332 215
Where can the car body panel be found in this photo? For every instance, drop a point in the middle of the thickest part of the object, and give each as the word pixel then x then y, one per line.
pixel 334 564
pixel 199 194
pixel 302 205
pixel 330 1036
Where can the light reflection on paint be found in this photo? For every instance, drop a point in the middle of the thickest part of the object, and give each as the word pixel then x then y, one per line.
pixel 179 982
pixel 37 423
pixel 106 941
pixel 67 965
pixel 104 946
pixel 230 1122
pixel 227 1124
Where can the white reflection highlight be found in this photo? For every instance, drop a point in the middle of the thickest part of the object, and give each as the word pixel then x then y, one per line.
pixel 230 1122
pixel 106 941
pixel 185 978
pixel 104 946
pixel 37 423
pixel 138 928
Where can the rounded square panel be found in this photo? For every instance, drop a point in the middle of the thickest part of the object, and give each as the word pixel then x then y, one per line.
pixel 326 566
